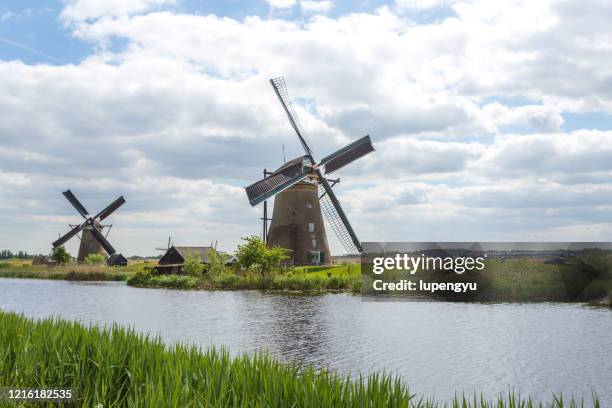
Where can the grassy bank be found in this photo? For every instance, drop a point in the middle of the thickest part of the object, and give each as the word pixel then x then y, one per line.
pixel 512 280
pixel 340 278
pixel 116 367
pixel 76 272
pixel 521 279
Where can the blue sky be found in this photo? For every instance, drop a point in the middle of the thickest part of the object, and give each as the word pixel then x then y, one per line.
pixel 491 121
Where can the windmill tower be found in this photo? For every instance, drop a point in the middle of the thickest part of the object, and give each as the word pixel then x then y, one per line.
pixel 302 194
pixel 92 239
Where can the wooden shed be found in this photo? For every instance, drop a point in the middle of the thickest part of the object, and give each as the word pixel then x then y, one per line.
pixel 177 254
pixel 116 260
pixel 172 261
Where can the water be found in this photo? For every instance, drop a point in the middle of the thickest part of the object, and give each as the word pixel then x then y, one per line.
pixel 437 348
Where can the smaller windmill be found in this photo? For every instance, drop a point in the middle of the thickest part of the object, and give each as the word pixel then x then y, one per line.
pixel 92 239
pixel 167 246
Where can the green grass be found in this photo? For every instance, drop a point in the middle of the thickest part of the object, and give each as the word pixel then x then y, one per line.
pixel 117 367
pixel 146 279
pixel 512 280
pixel 25 269
pixel 521 279
pixel 340 278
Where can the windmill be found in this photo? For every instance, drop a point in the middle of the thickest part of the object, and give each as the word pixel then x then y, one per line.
pixel 302 194
pixel 92 240
pixel 167 246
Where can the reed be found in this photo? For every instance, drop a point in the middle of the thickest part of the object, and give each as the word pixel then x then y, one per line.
pixel 117 367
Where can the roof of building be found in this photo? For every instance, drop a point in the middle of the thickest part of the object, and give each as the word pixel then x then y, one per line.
pixel 201 251
pixel 115 256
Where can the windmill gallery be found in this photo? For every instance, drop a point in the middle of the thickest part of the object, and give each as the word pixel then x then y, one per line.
pixel 302 195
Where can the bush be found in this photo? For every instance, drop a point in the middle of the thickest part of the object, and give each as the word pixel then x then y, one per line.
pixel 256 254
pixel 216 262
pixel 61 256
pixel 193 265
pixel 174 281
pixel 140 278
pixel 95 259
pixel 227 280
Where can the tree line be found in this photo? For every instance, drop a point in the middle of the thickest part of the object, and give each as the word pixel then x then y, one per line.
pixel 8 254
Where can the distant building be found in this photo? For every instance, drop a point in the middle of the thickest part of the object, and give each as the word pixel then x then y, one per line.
pixel 177 254
pixel 116 260
pixel 174 258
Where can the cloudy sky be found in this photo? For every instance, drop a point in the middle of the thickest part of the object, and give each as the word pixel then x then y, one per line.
pixel 491 120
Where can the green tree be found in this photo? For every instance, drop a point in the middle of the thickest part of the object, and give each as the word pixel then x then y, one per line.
pixel 193 264
pixel 95 259
pixel 255 253
pixel 216 262
pixel 61 256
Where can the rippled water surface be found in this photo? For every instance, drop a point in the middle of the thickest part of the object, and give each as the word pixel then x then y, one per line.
pixel 438 348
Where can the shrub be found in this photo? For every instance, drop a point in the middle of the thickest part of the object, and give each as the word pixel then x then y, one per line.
pixel 140 278
pixel 255 253
pixel 193 265
pixel 95 259
pixel 61 256
pixel 227 280
pixel 175 281
pixel 216 262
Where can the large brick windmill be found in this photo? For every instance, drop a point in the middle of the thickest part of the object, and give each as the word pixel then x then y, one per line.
pixel 302 193
pixel 92 239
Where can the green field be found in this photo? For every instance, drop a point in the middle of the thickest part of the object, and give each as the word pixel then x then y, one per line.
pixel 23 268
pixel 116 367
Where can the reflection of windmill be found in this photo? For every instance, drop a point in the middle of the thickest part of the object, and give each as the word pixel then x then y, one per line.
pixel 302 193
pixel 92 240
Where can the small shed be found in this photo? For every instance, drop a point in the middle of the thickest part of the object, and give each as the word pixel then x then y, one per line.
pixel 177 254
pixel 116 260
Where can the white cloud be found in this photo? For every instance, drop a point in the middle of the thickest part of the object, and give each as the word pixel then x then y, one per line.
pixel 80 10
pixel 281 4
pixel 316 6
pixel 183 116
pixel 424 4
pixel 539 117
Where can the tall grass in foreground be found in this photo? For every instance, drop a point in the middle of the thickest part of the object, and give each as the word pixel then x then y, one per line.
pixel 117 367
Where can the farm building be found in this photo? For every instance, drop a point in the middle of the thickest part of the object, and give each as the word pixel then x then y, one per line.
pixel 116 260
pixel 177 254
pixel 172 261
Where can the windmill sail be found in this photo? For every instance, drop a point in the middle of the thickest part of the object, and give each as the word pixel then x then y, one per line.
pixel 75 203
pixel 283 95
pixel 62 240
pixel 110 209
pixel 287 175
pixel 347 154
pixel 336 217
pixel 100 238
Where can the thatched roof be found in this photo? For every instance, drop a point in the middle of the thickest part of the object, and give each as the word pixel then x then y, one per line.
pixel 202 251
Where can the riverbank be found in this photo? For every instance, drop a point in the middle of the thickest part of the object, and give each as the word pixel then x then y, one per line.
pixel 72 272
pixel 118 367
pixel 509 281
pixel 336 278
